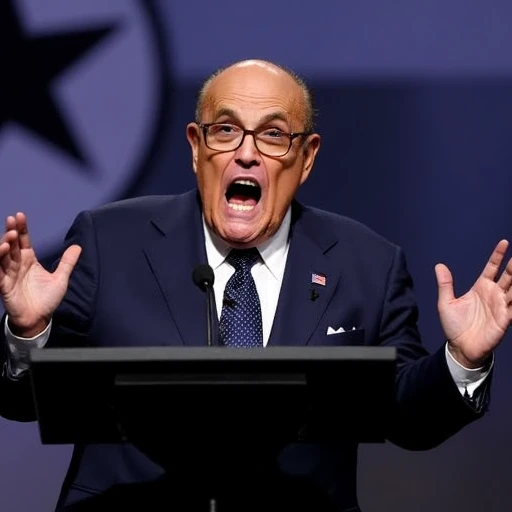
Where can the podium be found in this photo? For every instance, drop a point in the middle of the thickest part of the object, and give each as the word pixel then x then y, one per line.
pixel 168 395
pixel 204 412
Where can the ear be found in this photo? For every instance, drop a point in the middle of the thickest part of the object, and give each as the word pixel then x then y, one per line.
pixel 194 139
pixel 311 147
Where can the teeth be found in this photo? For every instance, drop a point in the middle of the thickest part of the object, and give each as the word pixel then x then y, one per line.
pixel 246 182
pixel 241 207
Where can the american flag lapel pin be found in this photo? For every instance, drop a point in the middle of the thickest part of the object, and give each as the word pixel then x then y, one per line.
pixel 318 279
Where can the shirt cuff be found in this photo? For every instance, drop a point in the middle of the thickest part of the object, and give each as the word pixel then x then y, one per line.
pixel 18 349
pixel 467 379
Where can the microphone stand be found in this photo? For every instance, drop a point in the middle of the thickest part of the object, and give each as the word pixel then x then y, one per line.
pixel 209 340
pixel 209 312
pixel 203 277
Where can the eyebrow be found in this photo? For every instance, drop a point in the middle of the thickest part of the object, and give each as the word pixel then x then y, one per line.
pixel 280 116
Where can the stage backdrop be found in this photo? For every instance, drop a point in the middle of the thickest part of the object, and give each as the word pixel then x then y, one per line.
pixel 415 102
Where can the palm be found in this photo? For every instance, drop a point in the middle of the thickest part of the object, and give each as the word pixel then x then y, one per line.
pixel 30 292
pixel 476 322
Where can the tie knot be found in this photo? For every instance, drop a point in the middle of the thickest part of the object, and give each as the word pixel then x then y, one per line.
pixel 243 259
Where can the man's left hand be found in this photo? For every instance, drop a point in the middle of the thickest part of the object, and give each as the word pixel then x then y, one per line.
pixel 475 323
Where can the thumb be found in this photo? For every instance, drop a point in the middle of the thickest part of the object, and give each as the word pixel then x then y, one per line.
pixel 68 261
pixel 444 283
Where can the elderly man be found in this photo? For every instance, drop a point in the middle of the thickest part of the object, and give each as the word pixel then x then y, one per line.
pixel 124 278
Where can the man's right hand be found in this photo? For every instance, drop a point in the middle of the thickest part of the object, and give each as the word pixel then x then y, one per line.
pixel 30 293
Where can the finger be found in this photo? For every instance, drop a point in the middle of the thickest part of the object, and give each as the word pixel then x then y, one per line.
pixel 7 239
pixel 505 280
pixel 10 223
pixel 68 261
pixel 493 265
pixel 444 283
pixel 11 238
pixel 4 248
pixel 22 228
pixel 9 249
pixel 5 257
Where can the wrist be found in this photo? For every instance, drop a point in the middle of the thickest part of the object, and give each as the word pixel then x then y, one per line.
pixel 28 331
pixel 463 360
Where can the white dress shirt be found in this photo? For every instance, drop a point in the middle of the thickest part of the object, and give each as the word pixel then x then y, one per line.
pixel 268 276
pixel 267 273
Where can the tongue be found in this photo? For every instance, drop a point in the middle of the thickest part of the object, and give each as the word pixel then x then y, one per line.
pixel 241 199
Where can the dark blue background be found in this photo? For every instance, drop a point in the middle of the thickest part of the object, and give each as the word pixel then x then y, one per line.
pixel 415 105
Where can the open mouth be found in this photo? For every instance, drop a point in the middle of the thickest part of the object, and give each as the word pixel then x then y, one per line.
pixel 243 195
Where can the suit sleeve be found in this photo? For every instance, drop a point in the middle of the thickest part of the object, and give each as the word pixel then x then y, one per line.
pixel 428 407
pixel 70 325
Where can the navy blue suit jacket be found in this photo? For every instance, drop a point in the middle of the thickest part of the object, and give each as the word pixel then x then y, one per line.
pixel 133 286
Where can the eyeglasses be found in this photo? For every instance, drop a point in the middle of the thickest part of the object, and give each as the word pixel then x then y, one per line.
pixel 229 137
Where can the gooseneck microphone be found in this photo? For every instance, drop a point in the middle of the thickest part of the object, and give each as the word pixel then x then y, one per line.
pixel 204 277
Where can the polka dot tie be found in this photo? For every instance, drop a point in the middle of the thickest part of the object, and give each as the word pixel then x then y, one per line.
pixel 240 320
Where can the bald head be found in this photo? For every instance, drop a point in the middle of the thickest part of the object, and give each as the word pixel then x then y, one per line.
pixel 256 69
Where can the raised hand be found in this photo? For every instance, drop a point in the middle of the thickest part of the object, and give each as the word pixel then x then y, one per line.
pixel 475 323
pixel 29 292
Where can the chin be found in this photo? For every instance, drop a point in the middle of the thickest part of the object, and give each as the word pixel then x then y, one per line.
pixel 241 237
pixel 241 240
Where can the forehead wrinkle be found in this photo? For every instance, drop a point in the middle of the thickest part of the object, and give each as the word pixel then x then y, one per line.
pixel 229 112
pixel 255 99
pixel 280 111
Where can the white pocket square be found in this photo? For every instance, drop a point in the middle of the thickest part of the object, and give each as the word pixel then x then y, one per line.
pixel 331 330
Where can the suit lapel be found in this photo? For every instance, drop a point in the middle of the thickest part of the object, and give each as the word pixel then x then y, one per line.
pixel 172 255
pixel 301 301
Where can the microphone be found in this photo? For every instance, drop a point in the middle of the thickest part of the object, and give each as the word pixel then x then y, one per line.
pixel 204 277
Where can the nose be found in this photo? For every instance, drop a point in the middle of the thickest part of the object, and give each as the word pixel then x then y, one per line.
pixel 247 155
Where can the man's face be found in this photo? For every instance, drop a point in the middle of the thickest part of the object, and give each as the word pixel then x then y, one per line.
pixel 244 193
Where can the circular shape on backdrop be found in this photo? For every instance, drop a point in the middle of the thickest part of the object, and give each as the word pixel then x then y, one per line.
pixel 82 98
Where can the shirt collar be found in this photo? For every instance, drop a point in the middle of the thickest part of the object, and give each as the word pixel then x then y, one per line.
pixel 273 251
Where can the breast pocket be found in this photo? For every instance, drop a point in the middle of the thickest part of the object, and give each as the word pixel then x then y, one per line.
pixel 345 338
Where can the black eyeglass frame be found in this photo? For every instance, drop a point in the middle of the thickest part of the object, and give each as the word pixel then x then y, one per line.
pixel 291 135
